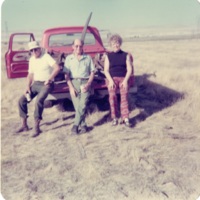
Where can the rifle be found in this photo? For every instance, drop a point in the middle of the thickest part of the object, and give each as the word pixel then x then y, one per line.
pixel 85 28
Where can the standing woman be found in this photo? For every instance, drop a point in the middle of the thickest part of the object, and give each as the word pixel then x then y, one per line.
pixel 118 69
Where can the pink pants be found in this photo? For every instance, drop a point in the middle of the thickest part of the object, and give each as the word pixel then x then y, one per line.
pixel 113 99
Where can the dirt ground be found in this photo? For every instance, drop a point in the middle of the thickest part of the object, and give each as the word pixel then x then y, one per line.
pixel 157 159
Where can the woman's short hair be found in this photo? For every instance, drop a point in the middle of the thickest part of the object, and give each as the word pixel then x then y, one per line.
pixel 115 38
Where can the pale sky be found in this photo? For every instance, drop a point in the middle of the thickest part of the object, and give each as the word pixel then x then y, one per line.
pixel 24 15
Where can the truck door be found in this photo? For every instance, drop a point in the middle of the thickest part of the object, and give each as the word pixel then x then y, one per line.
pixel 17 56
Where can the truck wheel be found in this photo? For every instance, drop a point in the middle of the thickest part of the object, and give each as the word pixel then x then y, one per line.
pixel 65 105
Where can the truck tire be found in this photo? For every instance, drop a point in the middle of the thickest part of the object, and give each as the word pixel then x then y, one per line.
pixel 65 105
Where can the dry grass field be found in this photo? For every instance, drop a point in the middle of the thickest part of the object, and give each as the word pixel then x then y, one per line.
pixel 157 159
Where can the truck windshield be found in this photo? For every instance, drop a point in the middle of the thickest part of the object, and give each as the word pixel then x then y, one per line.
pixel 64 39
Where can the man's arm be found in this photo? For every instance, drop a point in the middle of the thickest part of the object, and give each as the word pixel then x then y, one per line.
pixel 69 83
pixel 72 90
pixel 66 70
pixel 55 71
pixel 29 82
pixel 91 78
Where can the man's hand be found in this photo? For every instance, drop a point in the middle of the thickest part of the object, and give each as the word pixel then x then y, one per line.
pixel 28 90
pixel 47 82
pixel 84 88
pixel 73 91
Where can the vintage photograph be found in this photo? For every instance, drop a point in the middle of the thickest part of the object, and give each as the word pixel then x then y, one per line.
pixel 100 100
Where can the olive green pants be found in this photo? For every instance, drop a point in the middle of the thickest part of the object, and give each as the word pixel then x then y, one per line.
pixel 41 91
pixel 80 102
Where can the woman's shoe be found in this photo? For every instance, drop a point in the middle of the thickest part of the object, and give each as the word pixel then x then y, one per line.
pixel 114 122
pixel 127 122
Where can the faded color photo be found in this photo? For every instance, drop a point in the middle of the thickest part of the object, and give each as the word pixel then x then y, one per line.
pixel 157 156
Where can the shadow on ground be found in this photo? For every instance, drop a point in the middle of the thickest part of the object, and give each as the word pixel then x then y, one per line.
pixel 150 98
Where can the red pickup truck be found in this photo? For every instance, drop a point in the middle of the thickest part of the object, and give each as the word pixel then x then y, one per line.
pixel 57 42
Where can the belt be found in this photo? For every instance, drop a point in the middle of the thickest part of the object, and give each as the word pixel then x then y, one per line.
pixel 43 82
pixel 79 79
pixel 39 81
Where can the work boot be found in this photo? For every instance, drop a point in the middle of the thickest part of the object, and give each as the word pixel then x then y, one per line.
pixel 74 130
pixel 24 126
pixel 37 130
pixel 84 129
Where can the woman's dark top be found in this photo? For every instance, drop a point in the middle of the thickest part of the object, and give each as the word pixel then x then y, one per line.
pixel 117 62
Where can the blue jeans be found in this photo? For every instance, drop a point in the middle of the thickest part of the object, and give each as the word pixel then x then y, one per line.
pixel 80 102
pixel 41 91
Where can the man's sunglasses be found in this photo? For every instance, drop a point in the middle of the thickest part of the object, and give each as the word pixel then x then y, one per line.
pixel 78 46
pixel 34 50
